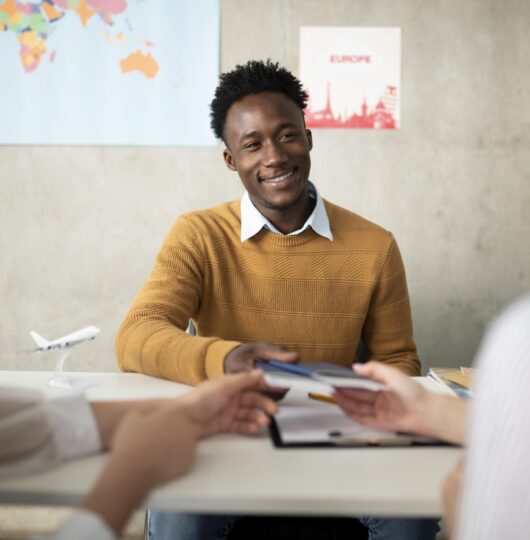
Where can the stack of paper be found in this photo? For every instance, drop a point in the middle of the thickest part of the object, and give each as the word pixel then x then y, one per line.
pixel 458 380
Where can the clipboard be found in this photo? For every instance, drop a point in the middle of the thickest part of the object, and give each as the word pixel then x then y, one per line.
pixel 316 427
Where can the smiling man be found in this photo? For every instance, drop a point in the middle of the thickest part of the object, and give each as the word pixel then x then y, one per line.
pixel 280 274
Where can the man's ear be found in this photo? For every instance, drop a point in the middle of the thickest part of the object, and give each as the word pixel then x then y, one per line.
pixel 309 136
pixel 229 159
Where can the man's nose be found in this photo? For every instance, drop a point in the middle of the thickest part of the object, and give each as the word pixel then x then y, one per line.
pixel 274 154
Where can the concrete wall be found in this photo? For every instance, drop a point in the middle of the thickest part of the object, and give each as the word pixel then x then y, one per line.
pixel 80 227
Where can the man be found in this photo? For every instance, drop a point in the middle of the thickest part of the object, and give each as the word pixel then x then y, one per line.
pixel 36 434
pixel 495 500
pixel 281 274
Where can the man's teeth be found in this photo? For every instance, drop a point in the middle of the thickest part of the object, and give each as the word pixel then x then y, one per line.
pixel 278 179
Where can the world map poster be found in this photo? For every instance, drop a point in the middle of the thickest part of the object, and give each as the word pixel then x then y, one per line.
pixel 108 72
pixel 352 76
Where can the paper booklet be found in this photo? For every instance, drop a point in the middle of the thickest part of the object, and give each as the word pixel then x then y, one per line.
pixel 286 375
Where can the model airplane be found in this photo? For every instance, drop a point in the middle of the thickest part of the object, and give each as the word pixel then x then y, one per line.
pixel 65 342
pixel 60 379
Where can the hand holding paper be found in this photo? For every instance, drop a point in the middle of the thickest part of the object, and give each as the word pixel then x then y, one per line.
pixel 404 405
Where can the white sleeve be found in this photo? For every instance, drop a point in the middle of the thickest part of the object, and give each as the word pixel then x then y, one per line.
pixel 84 525
pixel 75 430
pixel 495 493
pixel 36 433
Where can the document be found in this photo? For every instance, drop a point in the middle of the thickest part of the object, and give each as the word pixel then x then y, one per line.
pixel 286 374
pixel 302 421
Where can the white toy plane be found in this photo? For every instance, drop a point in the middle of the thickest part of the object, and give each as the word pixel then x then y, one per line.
pixel 70 340
pixel 60 380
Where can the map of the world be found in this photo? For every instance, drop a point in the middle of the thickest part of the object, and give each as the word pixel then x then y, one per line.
pixel 108 71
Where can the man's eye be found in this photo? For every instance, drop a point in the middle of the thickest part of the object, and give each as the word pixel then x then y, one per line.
pixel 288 136
pixel 251 145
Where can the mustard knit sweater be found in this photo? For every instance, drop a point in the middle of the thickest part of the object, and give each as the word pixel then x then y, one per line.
pixel 316 296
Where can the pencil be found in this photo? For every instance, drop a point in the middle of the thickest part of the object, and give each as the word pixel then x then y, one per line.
pixel 321 397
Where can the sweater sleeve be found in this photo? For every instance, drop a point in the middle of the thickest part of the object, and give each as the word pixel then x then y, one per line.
pixel 387 332
pixel 152 338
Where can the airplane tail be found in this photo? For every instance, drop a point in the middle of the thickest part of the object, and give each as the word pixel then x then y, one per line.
pixel 39 340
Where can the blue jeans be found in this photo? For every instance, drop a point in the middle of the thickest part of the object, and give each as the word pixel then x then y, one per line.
pixel 171 526
pixel 400 529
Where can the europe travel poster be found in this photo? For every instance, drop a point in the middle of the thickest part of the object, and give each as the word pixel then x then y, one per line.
pixel 352 77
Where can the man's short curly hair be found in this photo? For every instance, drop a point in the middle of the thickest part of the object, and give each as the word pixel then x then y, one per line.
pixel 252 78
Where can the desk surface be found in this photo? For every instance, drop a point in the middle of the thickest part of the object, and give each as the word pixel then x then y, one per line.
pixel 241 475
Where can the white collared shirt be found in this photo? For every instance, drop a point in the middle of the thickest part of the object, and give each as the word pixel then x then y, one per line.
pixel 252 220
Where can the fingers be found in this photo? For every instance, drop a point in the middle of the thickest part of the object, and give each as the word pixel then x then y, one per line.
pixel 374 370
pixel 231 384
pixel 238 420
pixel 356 394
pixel 380 372
pixel 255 400
pixel 235 383
pixel 251 416
pixel 354 406
pixel 249 428
pixel 248 421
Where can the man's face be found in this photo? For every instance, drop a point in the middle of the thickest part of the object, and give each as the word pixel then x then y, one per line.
pixel 268 145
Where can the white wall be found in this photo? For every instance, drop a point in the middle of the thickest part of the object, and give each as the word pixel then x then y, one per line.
pixel 80 227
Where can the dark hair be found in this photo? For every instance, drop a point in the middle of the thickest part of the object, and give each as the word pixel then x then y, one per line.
pixel 252 78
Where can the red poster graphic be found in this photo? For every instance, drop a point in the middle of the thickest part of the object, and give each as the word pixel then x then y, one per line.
pixel 352 76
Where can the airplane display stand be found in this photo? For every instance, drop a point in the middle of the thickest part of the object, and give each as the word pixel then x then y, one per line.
pixel 66 382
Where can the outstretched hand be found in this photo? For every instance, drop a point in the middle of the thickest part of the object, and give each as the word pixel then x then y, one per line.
pixel 398 407
pixel 156 441
pixel 231 403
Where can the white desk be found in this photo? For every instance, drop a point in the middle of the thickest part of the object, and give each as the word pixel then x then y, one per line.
pixel 238 475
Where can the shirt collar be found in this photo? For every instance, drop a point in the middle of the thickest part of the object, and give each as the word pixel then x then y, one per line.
pixel 252 220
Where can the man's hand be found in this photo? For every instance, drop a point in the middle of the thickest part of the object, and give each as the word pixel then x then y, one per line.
pixel 244 357
pixel 400 407
pixel 231 403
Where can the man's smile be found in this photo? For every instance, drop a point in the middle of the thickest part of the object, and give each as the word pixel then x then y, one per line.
pixel 277 179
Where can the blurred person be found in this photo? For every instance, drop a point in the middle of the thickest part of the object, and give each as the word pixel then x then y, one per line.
pixel 486 497
pixel 37 433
